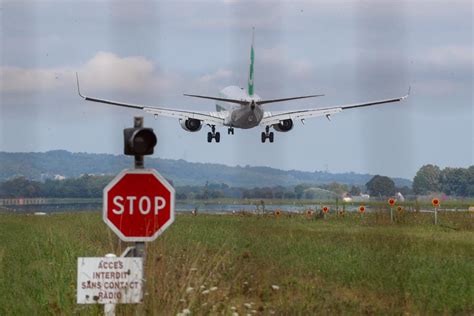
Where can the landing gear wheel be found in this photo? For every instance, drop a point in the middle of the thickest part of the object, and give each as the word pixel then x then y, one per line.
pixel 267 134
pixel 213 134
pixel 230 131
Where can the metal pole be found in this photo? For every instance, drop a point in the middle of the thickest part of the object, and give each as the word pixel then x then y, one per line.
pixel 436 216
pixel 139 161
pixel 139 250
pixel 391 214
pixel 109 308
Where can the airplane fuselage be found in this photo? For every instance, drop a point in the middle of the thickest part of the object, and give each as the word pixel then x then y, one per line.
pixel 240 116
pixel 245 117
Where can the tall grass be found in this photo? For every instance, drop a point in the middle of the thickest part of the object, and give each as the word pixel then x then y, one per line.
pixel 251 264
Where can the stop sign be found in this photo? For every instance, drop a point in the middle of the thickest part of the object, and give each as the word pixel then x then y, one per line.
pixel 138 205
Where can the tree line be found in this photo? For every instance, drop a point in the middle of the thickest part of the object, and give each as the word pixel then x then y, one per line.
pixel 451 181
pixel 429 179
pixel 86 186
pixel 91 186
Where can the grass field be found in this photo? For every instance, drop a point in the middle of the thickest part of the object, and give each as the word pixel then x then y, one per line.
pixel 425 204
pixel 336 266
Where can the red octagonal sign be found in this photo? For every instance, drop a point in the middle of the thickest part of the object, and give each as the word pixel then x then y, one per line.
pixel 138 205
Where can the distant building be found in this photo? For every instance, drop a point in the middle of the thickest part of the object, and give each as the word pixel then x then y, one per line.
pixel 361 198
pixel 90 174
pixel 59 177
pixel 358 198
pixel 400 197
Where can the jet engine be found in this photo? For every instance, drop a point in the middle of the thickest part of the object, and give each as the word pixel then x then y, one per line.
pixel 191 125
pixel 284 126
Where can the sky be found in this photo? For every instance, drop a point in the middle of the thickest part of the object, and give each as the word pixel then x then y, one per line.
pixel 152 52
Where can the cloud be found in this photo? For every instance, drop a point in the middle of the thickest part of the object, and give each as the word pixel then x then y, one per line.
pixel 220 74
pixel 18 80
pixel 437 87
pixel 277 58
pixel 444 70
pixel 238 14
pixel 107 71
pixel 104 71
pixel 448 56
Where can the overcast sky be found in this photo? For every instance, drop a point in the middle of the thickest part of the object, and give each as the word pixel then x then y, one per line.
pixel 153 52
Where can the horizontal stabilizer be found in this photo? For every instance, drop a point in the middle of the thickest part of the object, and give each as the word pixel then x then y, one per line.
pixel 288 99
pixel 245 102
pixel 217 99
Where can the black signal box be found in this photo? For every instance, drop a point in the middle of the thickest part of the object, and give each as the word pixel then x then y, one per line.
pixel 139 141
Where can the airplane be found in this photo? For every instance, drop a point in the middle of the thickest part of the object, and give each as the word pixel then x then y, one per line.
pixel 237 108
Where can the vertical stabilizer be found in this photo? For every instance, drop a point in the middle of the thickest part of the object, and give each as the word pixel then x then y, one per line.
pixel 252 55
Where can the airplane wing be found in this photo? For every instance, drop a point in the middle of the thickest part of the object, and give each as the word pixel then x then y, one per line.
pixel 212 118
pixel 271 118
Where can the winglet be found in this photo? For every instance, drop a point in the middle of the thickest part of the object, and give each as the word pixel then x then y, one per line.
pixel 78 87
pixel 408 93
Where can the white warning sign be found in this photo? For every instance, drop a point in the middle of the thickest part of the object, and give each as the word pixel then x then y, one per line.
pixel 109 280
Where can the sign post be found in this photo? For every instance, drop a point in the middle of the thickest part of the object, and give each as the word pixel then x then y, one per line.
pixel 391 202
pixel 435 203
pixel 325 211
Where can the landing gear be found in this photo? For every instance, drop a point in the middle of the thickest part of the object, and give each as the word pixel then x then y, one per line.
pixel 267 134
pixel 213 134
pixel 230 131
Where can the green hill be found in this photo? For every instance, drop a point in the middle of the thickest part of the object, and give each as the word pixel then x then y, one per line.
pixel 37 166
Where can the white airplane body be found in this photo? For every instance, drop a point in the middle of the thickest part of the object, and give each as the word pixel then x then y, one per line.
pixel 239 108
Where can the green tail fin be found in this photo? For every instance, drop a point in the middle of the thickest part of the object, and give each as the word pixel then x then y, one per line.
pixel 252 56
